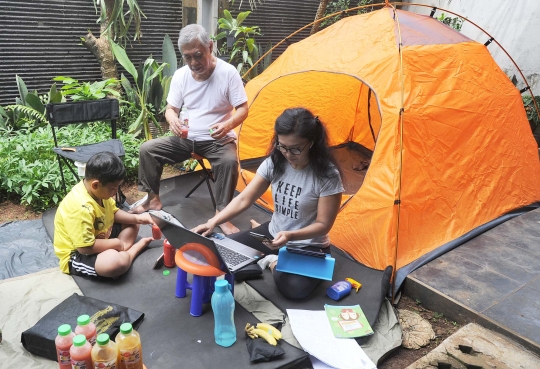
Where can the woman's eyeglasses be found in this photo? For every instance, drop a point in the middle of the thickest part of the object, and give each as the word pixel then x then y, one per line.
pixel 293 151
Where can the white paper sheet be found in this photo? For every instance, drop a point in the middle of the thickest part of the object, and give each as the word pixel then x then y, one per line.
pixel 313 332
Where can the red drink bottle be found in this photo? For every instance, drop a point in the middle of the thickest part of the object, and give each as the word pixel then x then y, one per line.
pixel 168 254
pixel 156 232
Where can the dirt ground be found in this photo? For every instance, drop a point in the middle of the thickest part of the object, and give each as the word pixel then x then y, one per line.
pixel 398 359
pixel 443 328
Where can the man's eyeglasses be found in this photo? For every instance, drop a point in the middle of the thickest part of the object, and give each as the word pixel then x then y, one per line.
pixel 293 151
pixel 188 58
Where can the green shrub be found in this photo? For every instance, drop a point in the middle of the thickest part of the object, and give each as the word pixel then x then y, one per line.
pixel 29 168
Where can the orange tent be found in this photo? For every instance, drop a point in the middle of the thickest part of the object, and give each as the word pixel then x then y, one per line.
pixel 452 148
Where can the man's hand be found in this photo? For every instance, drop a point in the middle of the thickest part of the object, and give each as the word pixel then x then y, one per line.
pixel 171 115
pixel 219 130
pixel 175 125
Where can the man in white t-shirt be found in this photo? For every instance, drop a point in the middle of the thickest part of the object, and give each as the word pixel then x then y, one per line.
pixel 210 89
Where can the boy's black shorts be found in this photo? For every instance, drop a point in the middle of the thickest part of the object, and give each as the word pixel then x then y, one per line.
pixel 84 265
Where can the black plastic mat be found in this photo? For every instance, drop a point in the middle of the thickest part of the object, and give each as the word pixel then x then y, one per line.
pixel 168 323
pixel 375 285
pixel 25 248
pixel 171 337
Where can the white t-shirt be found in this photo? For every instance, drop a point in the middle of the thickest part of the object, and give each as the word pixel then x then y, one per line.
pixel 296 195
pixel 208 102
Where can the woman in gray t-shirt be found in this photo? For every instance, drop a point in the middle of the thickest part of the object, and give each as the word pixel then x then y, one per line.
pixel 306 189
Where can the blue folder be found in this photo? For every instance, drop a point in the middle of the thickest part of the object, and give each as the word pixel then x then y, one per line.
pixel 309 266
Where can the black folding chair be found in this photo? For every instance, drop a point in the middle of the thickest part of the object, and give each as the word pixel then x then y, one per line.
pixel 207 175
pixel 62 114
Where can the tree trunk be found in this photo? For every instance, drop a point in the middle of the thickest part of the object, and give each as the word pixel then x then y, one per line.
pixel 101 49
pixel 320 13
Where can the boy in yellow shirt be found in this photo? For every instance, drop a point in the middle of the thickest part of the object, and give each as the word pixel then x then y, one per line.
pixel 92 237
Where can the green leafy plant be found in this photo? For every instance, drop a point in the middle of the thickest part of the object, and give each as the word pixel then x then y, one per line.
pixel 244 49
pixel 29 107
pixel 263 64
pixel 117 21
pixel 77 91
pixel 340 6
pixel 149 92
pixel 454 22
pixel 29 168
pixel 532 115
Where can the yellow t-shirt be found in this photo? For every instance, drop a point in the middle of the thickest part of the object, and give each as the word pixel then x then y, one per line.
pixel 79 221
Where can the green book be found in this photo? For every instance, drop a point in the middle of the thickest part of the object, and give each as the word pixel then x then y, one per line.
pixel 348 321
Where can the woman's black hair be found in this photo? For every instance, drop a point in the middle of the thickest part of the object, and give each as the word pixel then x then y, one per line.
pixel 106 167
pixel 302 123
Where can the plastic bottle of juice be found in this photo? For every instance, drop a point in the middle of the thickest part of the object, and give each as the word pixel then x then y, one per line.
pixel 105 353
pixel 184 118
pixel 63 342
pixel 86 327
pixel 81 353
pixel 129 345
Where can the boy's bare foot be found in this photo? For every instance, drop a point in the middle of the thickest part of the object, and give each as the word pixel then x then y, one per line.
pixel 152 202
pixel 254 223
pixel 138 246
pixel 273 265
pixel 228 228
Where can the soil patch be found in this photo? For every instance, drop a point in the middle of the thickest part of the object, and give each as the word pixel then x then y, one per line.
pixel 443 328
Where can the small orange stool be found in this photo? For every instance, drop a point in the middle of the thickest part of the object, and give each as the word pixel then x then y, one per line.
pixel 204 276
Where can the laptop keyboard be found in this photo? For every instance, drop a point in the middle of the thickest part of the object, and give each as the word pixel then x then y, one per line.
pixel 231 257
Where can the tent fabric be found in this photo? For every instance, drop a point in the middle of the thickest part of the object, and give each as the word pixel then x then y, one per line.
pixel 452 147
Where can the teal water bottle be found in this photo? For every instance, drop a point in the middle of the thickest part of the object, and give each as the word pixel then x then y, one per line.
pixel 223 308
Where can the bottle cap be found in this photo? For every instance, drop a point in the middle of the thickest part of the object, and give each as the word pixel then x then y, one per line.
pixel 79 340
pixel 64 330
pixel 102 339
pixel 83 320
pixel 126 328
pixel 221 285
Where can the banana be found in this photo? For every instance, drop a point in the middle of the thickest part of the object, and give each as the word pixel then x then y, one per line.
pixel 253 333
pixel 266 336
pixel 270 329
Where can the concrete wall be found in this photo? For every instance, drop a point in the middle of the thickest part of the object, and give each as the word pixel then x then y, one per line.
pixel 513 23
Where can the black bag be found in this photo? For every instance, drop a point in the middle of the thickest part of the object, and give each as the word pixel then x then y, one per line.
pixel 39 340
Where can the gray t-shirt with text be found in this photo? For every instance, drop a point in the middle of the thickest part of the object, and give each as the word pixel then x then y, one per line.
pixel 296 196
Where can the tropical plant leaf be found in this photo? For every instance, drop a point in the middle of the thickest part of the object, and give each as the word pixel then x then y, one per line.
pixel 123 59
pixel 228 16
pixel 169 57
pixel 35 103
pixel 242 17
pixel 21 86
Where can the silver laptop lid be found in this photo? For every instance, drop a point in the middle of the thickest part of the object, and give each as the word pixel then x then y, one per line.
pixel 178 236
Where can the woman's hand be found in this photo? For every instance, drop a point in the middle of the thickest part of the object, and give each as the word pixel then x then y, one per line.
pixel 279 241
pixel 204 229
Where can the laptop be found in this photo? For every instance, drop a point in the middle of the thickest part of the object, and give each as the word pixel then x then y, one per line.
pixel 232 255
